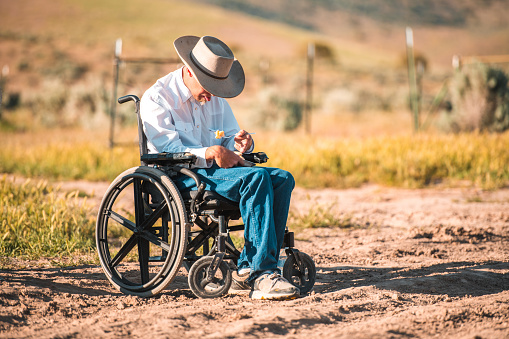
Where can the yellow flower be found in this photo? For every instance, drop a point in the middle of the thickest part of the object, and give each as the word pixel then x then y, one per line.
pixel 219 134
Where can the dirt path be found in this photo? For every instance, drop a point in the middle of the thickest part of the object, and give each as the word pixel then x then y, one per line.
pixel 419 263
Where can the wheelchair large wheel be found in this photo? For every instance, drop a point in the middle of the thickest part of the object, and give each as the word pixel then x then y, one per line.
pixel 141 231
pixel 304 278
pixel 205 286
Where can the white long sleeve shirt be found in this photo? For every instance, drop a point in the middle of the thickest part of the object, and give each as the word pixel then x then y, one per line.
pixel 174 121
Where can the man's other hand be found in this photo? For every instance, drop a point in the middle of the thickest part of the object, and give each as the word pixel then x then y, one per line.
pixel 243 141
pixel 224 157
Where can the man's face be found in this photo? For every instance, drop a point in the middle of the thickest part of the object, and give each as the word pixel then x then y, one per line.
pixel 197 91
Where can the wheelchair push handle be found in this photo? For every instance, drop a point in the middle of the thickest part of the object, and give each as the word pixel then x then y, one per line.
pixel 127 98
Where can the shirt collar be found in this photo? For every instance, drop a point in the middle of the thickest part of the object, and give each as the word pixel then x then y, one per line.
pixel 184 92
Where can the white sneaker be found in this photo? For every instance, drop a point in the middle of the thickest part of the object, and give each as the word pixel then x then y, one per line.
pixel 272 286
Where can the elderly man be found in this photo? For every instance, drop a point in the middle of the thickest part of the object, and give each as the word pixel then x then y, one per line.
pixel 182 112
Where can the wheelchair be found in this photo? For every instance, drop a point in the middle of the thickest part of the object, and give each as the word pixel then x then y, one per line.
pixel 147 229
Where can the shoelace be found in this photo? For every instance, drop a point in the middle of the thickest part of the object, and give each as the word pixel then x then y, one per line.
pixel 275 277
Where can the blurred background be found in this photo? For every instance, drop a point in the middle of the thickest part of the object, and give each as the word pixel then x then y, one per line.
pixel 315 69
pixel 57 58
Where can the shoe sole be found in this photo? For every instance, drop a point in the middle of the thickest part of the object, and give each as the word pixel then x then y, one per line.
pixel 258 295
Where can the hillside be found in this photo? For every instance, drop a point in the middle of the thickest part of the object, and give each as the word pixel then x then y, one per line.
pixel 442 28
pixel 303 13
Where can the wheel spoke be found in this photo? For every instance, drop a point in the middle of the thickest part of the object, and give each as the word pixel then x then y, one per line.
pixel 155 240
pixel 121 220
pixel 154 216
pixel 126 248
pixel 143 254
pixel 139 210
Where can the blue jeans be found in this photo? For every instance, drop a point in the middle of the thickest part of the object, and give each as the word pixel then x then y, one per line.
pixel 263 195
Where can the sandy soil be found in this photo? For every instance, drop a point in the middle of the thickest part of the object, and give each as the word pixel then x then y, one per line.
pixel 418 263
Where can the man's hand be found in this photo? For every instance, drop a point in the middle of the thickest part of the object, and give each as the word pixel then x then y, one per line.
pixel 224 157
pixel 243 141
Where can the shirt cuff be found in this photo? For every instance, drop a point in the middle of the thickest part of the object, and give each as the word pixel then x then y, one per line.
pixel 251 148
pixel 231 146
pixel 201 162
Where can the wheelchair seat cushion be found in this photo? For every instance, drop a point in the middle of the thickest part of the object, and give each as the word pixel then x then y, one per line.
pixel 211 200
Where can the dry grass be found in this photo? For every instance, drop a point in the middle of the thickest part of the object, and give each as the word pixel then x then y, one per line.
pixel 399 160
pixel 37 220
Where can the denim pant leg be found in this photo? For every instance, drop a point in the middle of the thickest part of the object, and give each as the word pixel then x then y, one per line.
pixel 283 184
pixel 264 196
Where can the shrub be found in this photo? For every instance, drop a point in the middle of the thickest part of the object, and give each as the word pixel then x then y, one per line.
pixel 480 100
pixel 277 113
pixel 58 105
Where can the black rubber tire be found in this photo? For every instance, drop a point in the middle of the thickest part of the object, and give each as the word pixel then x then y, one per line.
pixel 141 196
pixel 217 287
pixel 303 280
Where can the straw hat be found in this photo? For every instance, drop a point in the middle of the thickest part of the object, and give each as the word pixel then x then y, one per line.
pixel 213 64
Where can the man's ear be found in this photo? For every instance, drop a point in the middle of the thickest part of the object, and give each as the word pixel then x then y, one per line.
pixel 189 72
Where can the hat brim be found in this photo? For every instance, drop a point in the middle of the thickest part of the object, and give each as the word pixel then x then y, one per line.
pixel 229 87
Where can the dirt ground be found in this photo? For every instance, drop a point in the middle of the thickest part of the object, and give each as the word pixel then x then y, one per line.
pixel 418 263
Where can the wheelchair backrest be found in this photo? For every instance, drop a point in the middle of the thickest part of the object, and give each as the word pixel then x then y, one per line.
pixel 142 139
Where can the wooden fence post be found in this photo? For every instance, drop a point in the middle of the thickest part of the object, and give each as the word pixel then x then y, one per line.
pixel 412 79
pixel 113 109
pixel 3 82
pixel 117 62
pixel 309 87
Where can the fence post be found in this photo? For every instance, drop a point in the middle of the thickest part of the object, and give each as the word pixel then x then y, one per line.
pixel 309 87
pixel 113 109
pixel 3 81
pixel 412 79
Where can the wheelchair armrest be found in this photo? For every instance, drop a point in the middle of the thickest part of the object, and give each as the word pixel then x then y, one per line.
pixel 169 158
pixel 189 158
pixel 257 157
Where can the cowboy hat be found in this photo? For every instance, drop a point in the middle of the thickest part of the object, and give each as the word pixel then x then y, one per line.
pixel 212 63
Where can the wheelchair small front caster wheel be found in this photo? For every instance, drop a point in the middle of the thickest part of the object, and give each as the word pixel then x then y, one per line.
pixel 205 286
pixel 304 276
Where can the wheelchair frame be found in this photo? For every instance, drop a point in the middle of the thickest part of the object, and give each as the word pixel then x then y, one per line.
pixel 172 228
